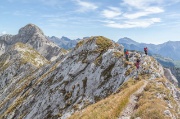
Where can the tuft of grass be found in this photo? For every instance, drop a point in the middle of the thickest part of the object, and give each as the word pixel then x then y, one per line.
pixel 149 105
pixel 130 70
pixel 79 44
pixel 126 63
pixel 118 54
pixel 110 107
pixel 63 51
pixel 103 43
pixel 98 60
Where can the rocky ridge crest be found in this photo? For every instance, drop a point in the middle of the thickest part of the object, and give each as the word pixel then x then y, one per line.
pixel 93 70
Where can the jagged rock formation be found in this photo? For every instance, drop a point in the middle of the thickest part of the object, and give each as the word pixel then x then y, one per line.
pixel 64 42
pixel 35 38
pixel 92 71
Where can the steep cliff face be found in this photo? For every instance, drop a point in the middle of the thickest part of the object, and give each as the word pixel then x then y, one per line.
pixel 176 73
pixel 170 76
pixel 35 38
pixel 93 70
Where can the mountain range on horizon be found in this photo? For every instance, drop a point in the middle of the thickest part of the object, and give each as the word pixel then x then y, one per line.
pixel 39 79
pixel 169 49
pixel 64 42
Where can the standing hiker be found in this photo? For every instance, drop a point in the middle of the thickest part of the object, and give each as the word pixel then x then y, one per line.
pixel 137 63
pixel 127 55
pixel 145 50
pixel 137 66
pixel 124 51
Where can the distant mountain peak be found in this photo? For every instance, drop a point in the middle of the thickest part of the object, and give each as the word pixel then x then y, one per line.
pixel 127 41
pixel 30 29
pixel 65 38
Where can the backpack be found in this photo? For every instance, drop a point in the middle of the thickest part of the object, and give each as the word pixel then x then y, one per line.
pixel 145 49
pixel 138 60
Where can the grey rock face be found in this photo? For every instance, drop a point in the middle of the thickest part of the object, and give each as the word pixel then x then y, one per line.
pixel 170 76
pixel 35 38
pixel 94 69
pixel 176 72
pixel 17 63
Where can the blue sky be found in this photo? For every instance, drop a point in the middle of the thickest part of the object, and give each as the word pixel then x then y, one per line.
pixel 149 21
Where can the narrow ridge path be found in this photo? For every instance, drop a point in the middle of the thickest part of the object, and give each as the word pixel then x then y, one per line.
pixel 129 109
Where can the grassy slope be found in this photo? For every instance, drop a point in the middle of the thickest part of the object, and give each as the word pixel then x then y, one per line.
pixel 111 106
pixel 149 105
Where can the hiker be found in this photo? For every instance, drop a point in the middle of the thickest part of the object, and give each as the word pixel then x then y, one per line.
pixel 137 63
pixel 124 51
pixel 127 54
pixel 145 50
pixel 137 66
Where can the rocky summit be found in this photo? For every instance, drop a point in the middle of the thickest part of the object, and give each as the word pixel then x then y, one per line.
pixel 35 38
pixel 92 81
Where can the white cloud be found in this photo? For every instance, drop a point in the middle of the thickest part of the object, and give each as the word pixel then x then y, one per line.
pixel 146 12
pixel 154 10
pixel 141 4
pixel 112 12
pixel 86 6
pixel 132 24
pixel 136 13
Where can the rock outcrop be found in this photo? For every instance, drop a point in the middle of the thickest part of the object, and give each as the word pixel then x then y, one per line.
pixel 176 72
pixel 170 76
pixel 35 38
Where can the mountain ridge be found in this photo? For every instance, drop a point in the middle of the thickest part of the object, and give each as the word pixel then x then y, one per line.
pixel 92 71
pixel 35 38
